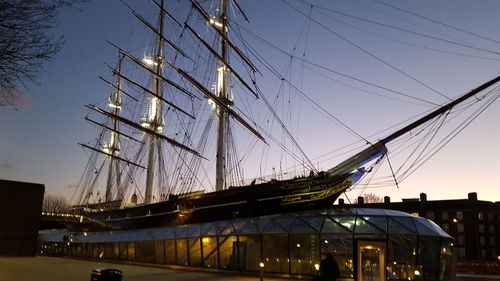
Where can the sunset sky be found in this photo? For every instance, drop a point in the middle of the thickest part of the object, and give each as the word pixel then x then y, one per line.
pixel 39 135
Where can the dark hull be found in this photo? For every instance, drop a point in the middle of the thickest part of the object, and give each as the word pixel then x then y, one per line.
pixel 314 192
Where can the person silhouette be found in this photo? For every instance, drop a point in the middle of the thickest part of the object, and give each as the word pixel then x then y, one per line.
pixel 329 269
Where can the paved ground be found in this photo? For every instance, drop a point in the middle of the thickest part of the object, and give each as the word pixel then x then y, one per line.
pixel 64 269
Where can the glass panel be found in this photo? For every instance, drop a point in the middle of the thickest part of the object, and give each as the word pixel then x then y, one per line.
pixel 228 252
pixel 159 251
pixel 316 222
pixel 423 229
pixel 249 253
pixel 332 227
pixel 181 232
pixel 209 229
pixel 170 251
pixel 262 223
pixel 402 257
pixel 225 229
pixel 304 253
pixel 139 251
pixel 371 261
pixel 95 250
pixel 407 222
pixel 131 251
pixel 193 231
pixel 194 252
pixel 396 227
pixel 181 252
pixel 275 252
pixel 238 225
pixel 79 250
pixel 378 221
pixel 108 251
pixel 123 250
pixel 301 226
pixel 249 228
pixel 341 246
pixel 363 226
pixel 428 257
pixel 274 227
pixel 286 223
pixel 446 261
pixel 346 221
pixel 116 250
pixel 210 252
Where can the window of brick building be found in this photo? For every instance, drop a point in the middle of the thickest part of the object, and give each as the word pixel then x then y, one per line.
pixel 491 216
pixel 461 252
pixel 460 227
pixel 480 216
pixel 430 215
pixel 481 240
pixel 461 240
pixel 446 227
pixel 481 228
pixel 460 215
pixel 492 229
pixel 492 241
pixel 444 215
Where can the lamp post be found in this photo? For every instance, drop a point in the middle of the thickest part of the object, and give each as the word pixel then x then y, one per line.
pixel 261 266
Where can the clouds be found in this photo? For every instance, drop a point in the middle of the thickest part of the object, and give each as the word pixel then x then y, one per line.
pixel 6 166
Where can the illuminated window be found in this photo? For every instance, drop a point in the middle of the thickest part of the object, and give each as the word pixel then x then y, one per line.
pixel 480 216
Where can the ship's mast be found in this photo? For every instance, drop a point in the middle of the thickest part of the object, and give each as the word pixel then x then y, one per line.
pixel 223 93
pixel 115 102
pixel 154 116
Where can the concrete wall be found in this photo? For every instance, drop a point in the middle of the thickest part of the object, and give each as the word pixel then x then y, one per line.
pixel 20 210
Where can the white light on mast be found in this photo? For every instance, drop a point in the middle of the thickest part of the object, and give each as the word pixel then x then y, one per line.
pixel 149 61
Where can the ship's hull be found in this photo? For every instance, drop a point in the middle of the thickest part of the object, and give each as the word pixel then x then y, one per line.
pixel 314 192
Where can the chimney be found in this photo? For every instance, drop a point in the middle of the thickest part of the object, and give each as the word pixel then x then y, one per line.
pixel 361 200
pixel 341 201
pixel 423 197
pixel 387 199
pixel 472 196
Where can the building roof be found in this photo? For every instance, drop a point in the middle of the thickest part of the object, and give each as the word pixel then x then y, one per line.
pixel 339 221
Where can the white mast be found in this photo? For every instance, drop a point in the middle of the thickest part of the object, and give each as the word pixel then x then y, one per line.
pixel 154 116
pixel 113 147
pixel 223 93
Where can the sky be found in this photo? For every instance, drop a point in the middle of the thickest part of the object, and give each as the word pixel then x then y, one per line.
pixel 39 135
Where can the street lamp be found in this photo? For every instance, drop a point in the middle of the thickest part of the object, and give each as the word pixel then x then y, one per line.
pixel 261 265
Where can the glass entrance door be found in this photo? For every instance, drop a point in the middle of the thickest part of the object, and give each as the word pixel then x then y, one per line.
pixel 371 261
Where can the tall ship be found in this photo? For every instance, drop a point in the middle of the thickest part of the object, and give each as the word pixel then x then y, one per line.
pixel 182 106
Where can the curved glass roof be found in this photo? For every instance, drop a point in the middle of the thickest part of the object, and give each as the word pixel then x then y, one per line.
pixel 339 221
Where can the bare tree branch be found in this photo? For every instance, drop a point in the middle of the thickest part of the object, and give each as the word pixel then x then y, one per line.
pixel 25 41
pixel 54 204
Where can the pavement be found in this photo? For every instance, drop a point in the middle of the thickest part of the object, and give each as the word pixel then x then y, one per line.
pixel 64 269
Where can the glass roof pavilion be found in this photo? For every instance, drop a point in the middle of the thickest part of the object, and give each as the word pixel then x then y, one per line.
pixel 402 245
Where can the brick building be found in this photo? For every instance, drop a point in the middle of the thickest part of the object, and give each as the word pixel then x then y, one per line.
pixel 475 224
